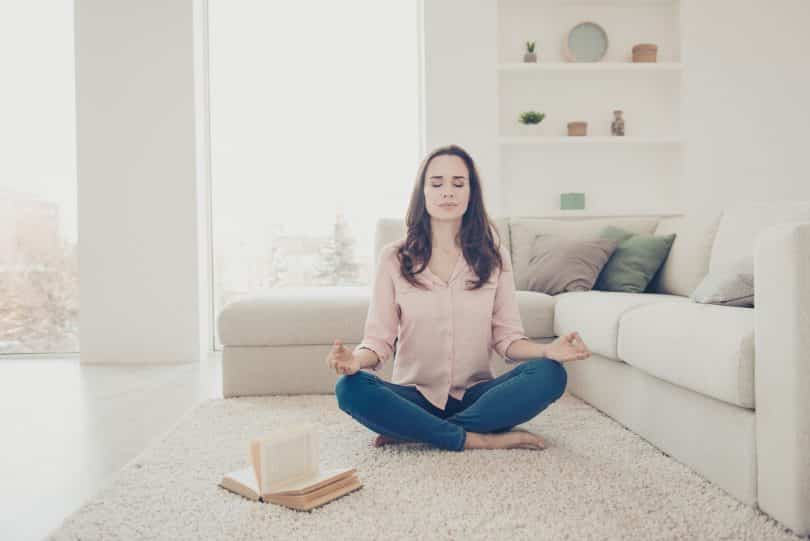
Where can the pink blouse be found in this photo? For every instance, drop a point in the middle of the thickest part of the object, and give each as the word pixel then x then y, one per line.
pixel 445 334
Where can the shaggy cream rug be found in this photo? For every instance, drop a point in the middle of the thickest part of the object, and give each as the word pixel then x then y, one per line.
pixel 596 480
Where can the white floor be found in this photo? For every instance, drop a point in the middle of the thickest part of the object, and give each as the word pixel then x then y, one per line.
pixel 67 427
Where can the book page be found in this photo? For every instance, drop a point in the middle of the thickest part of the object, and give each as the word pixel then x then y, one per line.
pixel 242 482
pixel 289 456
pixel 324 477
pixel 254 458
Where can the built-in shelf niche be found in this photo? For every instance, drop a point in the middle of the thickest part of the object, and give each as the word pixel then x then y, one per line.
pixel 625 173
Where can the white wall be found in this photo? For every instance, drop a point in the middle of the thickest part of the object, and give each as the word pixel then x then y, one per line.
pixel 743 109
pixel 141 208
pixel 746 106
pixel 461 84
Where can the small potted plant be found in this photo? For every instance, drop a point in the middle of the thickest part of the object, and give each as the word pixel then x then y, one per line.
pixel 532 122
pixel 530 55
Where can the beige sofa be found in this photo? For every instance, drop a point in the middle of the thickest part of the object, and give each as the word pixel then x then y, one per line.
pixel 678 373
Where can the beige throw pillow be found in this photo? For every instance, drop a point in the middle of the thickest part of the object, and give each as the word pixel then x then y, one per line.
pixel 559 264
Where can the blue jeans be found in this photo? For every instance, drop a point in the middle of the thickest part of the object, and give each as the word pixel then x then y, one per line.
pixel 496 405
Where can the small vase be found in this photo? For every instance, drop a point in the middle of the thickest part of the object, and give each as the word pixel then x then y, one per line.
pixel 530 57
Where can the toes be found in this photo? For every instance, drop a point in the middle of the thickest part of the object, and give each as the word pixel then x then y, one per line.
pixel 536 441
pixel 536 446
pixel 381 440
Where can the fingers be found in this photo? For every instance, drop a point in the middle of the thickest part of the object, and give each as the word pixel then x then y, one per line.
pixel 581 351
pixel 578 342
pixel 334 354
pixel 343 367
pixel 339 357
pixel 338 365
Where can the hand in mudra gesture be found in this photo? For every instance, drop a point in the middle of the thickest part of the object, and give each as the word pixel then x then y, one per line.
pixel 341 359
pixel 568 347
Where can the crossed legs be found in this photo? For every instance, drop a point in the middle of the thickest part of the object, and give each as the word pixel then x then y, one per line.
pixel 402 412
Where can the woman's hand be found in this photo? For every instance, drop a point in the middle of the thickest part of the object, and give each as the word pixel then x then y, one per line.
pixel 568 347
pixel 341 359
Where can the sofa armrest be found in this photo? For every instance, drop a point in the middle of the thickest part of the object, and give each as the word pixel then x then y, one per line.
pixel 782 372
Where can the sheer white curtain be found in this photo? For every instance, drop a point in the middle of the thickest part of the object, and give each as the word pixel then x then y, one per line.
pixel 314 135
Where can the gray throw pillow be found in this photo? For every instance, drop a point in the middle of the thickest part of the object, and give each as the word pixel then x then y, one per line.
pixel 559 264
pixel 732 285
pixel 636 260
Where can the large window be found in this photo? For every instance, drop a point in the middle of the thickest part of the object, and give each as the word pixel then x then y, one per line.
pixel 314 137
pixel 39 306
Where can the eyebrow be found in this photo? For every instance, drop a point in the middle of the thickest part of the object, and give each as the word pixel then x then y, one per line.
pixel 440 176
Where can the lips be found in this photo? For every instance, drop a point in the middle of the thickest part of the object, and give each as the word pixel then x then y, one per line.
pixel 449 205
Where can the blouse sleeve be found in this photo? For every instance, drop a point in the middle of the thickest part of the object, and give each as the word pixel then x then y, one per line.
pixel 382 319
pixel 506 322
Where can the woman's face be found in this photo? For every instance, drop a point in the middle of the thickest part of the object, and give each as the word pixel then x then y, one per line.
pixel 447 187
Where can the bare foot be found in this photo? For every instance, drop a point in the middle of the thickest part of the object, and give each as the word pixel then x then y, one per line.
pixel 514 439
pixel 381 440
pixel 538 441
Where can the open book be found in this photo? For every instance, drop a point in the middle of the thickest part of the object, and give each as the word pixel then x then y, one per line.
pixel 285 469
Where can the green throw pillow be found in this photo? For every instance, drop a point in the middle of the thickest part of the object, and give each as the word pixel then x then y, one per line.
pixel 634 262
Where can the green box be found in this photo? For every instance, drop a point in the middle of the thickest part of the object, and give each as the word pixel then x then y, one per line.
pixel 572 201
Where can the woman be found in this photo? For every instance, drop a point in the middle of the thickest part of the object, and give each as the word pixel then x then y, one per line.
pixel 445 295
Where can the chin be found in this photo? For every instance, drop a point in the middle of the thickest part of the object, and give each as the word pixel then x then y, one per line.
pixel 441 213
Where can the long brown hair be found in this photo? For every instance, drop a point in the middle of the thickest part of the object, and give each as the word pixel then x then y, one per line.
pixel 476 237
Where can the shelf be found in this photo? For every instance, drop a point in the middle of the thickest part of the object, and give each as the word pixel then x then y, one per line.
pixel 608 3
pixel 589 139
pixel 590 66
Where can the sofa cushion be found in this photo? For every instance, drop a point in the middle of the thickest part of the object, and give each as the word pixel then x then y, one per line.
pixel 741 223
pixel 295 316
pixel 523 230
pixel 703 347
pixel 688 259
pixel 596 314
pixel 634 263
pixel 559 264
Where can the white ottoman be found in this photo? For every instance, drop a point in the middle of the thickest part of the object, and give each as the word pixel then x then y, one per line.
pixel 276 342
